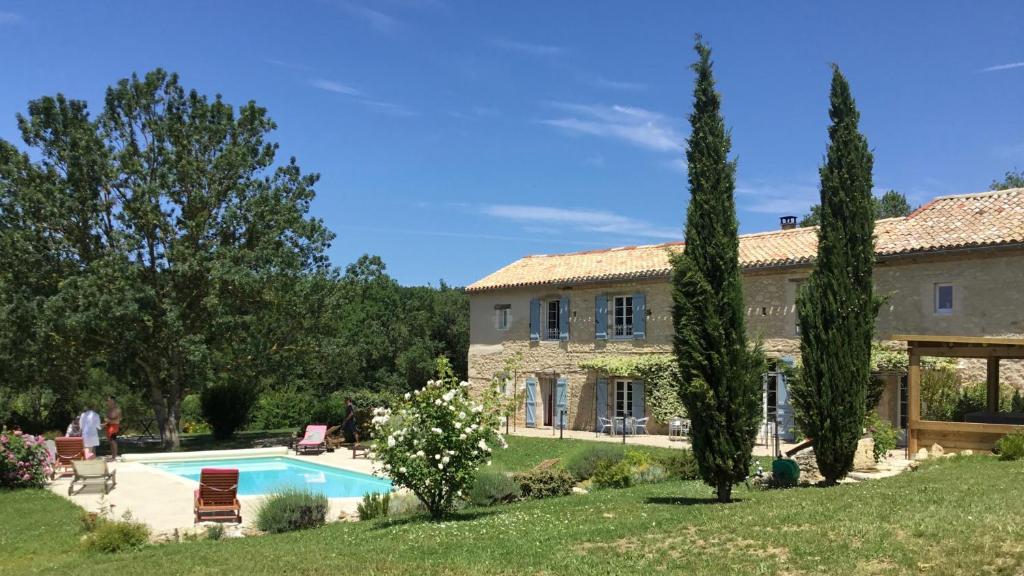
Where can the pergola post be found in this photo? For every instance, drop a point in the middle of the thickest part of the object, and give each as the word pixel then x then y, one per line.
pixel 992 384
pixel 913 400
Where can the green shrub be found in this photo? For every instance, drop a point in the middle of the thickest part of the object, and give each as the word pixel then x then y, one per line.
pixel 374 505
pixel 612 474
pixel 215 532
pixel 545 483
pixel 493 488
pixel 582 464
pixel 681 465
pixel 882 433
pixel 405 503
pixel 1017 402
pixel 192 420
pixel 282 408
pixel 331 409
pixel 112 536
pixel 1011 446
pixel 291 509
pixel 24 460
pixel 226 407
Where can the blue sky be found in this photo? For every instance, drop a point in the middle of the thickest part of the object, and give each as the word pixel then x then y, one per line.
pixel 454 137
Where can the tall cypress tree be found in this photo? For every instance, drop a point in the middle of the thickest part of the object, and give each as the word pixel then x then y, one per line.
pixel 720 375
pixel 837 305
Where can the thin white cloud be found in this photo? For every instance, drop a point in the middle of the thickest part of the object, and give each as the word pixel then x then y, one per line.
pixel 999 67
pixel 336 87
pixel 470 235
pixel 527 48
pixel 287 64
pixel 389 108
pixel 602 82
pixel 377 20
pixel 636 126
pixel 580 219
pixel 9 17
pixel 775 199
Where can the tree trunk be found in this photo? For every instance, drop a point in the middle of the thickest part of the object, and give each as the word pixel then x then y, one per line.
pixel 167 409
pixel 724 491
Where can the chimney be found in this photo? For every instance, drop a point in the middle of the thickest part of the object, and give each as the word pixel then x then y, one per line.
pixel 788 222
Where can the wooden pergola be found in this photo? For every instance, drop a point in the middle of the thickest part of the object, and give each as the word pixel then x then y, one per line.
pixel 984 428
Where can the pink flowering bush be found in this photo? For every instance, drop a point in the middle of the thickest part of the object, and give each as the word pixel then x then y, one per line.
pixel 24 460
pixel 434 441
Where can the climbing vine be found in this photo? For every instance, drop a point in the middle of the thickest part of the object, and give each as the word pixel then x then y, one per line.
pixel 659 373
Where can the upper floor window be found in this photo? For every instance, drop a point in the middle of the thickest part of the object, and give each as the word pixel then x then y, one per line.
pixel 622 315
pixel 553 319
pixel 503 317
pixel 944 299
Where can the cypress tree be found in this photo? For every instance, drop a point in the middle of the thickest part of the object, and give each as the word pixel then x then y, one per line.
pixel 720 376
pixel 836 307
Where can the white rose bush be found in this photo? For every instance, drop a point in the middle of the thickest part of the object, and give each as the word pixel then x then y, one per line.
pixel 434 441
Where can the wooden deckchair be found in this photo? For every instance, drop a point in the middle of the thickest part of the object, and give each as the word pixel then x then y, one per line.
pixel 216 499
pixel 69 449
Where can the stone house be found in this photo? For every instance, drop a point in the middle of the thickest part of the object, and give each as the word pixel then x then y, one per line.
pixel 954 266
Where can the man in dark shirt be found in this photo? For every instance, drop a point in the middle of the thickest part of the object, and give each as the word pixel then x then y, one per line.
pixel 349 424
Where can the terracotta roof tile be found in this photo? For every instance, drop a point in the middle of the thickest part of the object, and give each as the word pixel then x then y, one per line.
pixel 949 222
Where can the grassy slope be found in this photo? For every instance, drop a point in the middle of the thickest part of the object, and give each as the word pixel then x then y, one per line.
pixel 957 516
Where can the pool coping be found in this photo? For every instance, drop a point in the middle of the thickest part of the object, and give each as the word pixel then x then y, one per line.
pixel 279 452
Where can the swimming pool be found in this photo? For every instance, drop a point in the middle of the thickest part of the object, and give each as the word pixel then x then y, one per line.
pixel 258 476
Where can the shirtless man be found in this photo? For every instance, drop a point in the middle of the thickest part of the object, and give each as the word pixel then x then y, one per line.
pixel 113 424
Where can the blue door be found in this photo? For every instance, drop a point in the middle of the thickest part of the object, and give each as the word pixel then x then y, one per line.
pixel 562 403
pixel 531 402
pixel 601 400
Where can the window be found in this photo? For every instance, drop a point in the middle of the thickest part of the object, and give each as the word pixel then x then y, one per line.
pixel 623 398
pixel 622 315
pixel 554 319
pixel 503 318
pixel 943 298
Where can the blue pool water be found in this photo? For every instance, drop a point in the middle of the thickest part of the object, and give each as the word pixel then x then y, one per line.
pixel 264 475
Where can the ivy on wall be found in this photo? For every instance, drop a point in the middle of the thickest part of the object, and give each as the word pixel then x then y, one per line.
pixel 659 373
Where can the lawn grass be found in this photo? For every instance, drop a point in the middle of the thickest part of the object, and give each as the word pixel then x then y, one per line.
pixel 953 516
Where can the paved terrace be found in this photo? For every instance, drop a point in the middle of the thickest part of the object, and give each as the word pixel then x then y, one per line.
pixel 164 500
pixel 659 440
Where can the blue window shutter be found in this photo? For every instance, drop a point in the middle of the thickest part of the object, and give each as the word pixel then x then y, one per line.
pixel 563 318
pixel 531 402
pixel 601 317
pixel 639 316
pixel 639 410
pixel 601 401
pixel 535 319
pixel 562 401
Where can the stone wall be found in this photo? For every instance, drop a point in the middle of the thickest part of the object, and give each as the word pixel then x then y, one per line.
pixel 988 301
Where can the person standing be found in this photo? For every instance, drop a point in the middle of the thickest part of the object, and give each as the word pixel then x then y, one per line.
pixel 113 424
pixel 349 424
pixel 89 422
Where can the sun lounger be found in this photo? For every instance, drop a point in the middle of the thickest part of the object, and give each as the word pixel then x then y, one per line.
pixel 216 499
pixel 315 440
pixel 69 449
pixel 92 473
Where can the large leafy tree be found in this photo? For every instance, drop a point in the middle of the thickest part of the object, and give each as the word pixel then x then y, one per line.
pixel 720 374
pixel 837 305
pixel 892 204
pixel 171 229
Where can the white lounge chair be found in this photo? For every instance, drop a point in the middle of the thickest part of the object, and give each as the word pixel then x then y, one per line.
pixel 640 424
pixel 92 473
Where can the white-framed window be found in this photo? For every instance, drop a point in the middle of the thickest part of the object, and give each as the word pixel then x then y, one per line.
pixel 552 319
pixel 944 299
pixel 622 316
pixel 503 318
pixel 623 398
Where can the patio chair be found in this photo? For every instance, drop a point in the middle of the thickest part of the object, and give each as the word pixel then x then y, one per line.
pixel 216 499
pixel 315 440
pixel 69 449
pixel 606 425
pixel 640 424
pixel 92 473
